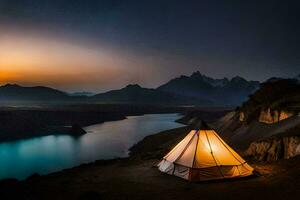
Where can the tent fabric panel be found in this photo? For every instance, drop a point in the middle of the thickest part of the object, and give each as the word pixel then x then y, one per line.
pixel 187 158
pixel 218 172
pixel 222 154
pixel 245 169
pixel 205 174
pixel 236 171
pixel 166 166
pixel 179 148
pixel 181 171
pixel 203 157
pixel 229 171
pixel 234 154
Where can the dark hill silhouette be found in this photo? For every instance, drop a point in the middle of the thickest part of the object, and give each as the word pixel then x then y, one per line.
pixel 81 94
pixel 196 89
pixel 14 92
pixel 138 95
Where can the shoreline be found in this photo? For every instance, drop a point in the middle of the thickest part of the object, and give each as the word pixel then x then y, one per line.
pixel 137 177
pixel 34 169
pixel 26 123
pixel 58 130
pixel 134 151
pixel 131 150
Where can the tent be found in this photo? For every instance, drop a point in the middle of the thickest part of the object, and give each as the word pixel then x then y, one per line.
pixel 203 155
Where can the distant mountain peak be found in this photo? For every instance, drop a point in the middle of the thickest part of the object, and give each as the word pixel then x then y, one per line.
pixel 209 80
pixel 133 86
pixel 238 78
pixel 15 92
pixel 197 73
pixel 220 91
pixel 11 85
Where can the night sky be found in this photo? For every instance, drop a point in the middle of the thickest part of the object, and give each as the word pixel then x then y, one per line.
pixel 100 45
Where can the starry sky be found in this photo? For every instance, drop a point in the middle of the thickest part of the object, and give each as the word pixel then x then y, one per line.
pixel 98 45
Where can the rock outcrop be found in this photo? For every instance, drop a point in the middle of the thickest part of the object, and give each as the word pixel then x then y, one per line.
pixel 241 134
pixel 242 116
pixel 270 116
pixel 274 148
pixel 272 111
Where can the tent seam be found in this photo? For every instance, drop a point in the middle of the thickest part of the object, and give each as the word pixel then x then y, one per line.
pixel 193 163
pixel 211 152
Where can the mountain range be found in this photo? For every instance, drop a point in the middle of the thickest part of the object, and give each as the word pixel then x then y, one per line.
pixel 217 91
pixel 196 89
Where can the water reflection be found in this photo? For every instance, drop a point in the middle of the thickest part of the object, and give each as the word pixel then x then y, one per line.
pixel 103 141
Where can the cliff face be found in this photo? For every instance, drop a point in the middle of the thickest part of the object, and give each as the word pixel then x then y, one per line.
pixel 274 149
pixel 274 101
pixel 270 116
pixel 242 116
pixel 273 111
pixel 240 133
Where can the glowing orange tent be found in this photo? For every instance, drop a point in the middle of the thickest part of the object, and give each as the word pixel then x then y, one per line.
pixel 203 155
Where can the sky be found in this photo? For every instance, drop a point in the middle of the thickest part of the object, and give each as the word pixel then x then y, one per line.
pixel 98 45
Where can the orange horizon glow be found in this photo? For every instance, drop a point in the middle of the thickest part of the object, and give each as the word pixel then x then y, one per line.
pixel 34 60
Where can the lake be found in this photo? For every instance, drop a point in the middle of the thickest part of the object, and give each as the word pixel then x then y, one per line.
pixel 43 155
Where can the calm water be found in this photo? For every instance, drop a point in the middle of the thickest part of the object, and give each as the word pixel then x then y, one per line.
pixel 108 140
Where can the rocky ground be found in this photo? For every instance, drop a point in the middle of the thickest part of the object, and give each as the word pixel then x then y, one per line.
pixel 137 177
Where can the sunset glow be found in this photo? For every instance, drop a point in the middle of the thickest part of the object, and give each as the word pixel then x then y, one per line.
pixel 32 60
pixel 104 45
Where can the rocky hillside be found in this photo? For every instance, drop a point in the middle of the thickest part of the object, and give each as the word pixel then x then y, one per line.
pixel 241 133
pixel 276 100
pixel 275 148
pixel 267 125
